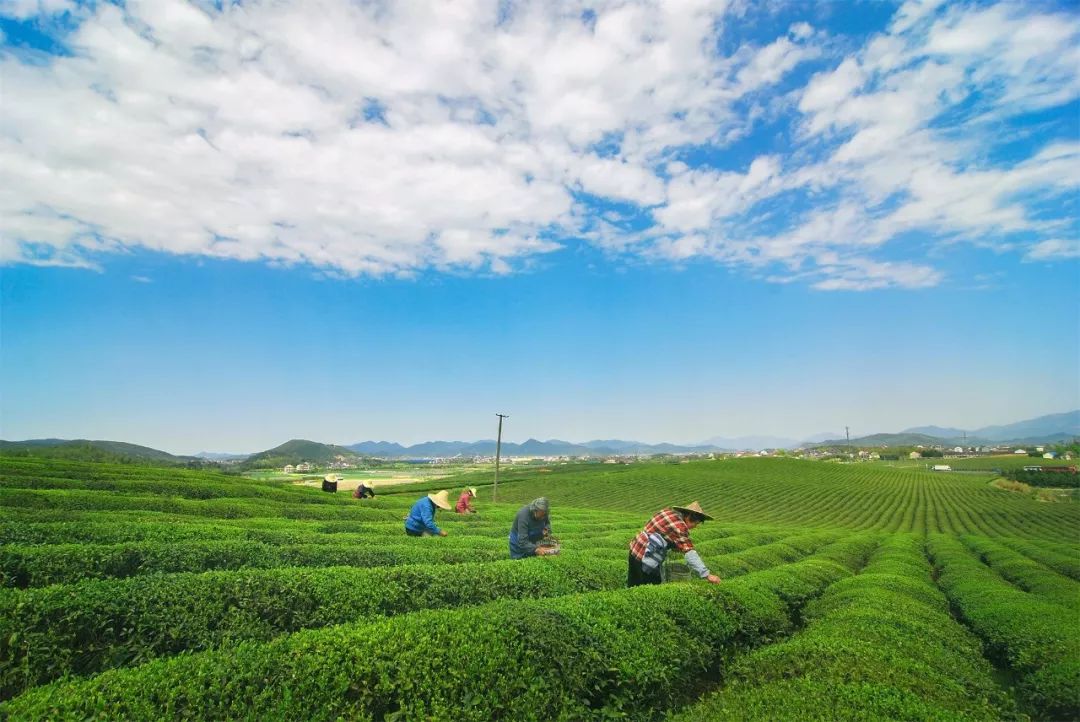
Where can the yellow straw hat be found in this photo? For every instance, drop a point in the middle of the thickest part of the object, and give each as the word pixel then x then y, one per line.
pixel 692 508
pixel 472 490
pixel 441 499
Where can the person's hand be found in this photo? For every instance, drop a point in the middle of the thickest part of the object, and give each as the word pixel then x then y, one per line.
pixel 442 532
pixel 713 579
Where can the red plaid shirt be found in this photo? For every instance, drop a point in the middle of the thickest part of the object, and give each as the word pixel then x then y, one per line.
pixel 667 524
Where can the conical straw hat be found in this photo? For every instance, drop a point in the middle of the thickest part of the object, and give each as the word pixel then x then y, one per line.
pixel 692 507
pixel 473 490
pixel 441 499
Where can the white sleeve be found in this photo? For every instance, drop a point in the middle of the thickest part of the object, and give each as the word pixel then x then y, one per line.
pixel 693 559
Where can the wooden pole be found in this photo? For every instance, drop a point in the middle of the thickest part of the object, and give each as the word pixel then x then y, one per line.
pixel 498 450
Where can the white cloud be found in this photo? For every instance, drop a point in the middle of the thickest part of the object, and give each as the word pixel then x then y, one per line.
pixel 25 9
pixel 618 180
pixel 250 133
pixel 866 275
pixel 774 61
pixel 369 139
pixel 1054 248
pixel 912 12
pixel 890 115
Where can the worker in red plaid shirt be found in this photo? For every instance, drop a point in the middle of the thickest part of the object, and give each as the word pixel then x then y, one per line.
pixel 669 528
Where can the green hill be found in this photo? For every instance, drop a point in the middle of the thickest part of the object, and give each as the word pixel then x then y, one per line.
pixel 88 450
pixel 297 451
pixel 893 440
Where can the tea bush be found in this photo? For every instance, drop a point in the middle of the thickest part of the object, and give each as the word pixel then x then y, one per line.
pixel 1038 639
pixel 81 629
pixel 1025 573
pixel 35 566
pixel 878 645
pixel 321 607
pixel 585 656
pixel 1060 560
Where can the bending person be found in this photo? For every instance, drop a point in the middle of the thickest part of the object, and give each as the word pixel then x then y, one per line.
pixel 464 502
pixel 531 525
pixel 421 518
pixel 669 528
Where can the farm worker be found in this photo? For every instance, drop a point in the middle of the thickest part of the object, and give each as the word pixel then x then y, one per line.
pixel 669 528
pixel 329 482
pixel 531 525
pixel 421 518
pixel 363 492
pixel 464 502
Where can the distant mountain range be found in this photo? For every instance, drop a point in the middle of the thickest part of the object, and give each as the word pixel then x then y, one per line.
pixel 1066 424
pixel 760 442
pixel 1044 429
pixel 212 456
pixel 1052 428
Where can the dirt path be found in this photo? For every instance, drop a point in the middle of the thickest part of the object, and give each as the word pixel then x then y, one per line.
pixel 350 484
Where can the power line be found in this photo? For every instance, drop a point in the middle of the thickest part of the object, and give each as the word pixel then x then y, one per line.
pixel 498 450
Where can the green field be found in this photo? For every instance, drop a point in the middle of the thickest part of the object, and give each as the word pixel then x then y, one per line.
pixel 850 592
pixel 1003 462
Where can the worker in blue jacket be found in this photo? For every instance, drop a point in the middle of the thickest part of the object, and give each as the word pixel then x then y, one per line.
pixel 531 526
pixel 421 518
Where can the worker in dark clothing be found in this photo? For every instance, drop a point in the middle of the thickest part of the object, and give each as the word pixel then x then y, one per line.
pixel 531 526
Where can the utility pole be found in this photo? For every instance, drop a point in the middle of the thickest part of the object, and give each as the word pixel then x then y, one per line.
pixel 498 449
pixel 847 435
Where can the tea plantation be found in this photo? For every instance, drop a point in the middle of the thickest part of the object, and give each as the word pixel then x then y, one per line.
pixel 849 592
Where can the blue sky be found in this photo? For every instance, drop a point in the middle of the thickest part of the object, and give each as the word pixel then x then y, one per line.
pixel 224 227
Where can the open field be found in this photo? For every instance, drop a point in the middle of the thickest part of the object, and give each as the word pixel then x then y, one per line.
pixel 351 479
pixel 800 493
pixel 980 463
pixel 850 591
pixel 375 478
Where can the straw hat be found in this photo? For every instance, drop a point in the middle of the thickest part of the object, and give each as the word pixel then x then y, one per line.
pixel 472 490
pixel 441 499
pixel 332 477
pixel 692 508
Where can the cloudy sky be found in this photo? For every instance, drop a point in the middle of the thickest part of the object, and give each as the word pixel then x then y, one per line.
pixel 223 225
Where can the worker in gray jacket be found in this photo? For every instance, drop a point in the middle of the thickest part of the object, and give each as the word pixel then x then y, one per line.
pixel 531 525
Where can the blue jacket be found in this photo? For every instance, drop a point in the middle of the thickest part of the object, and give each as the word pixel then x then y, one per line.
pixel 422 517
pixel 526 532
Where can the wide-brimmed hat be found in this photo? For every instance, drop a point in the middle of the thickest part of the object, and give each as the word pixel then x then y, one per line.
pixel 332 477
pixel 472 490
pixel 692 508
pixel 441 499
